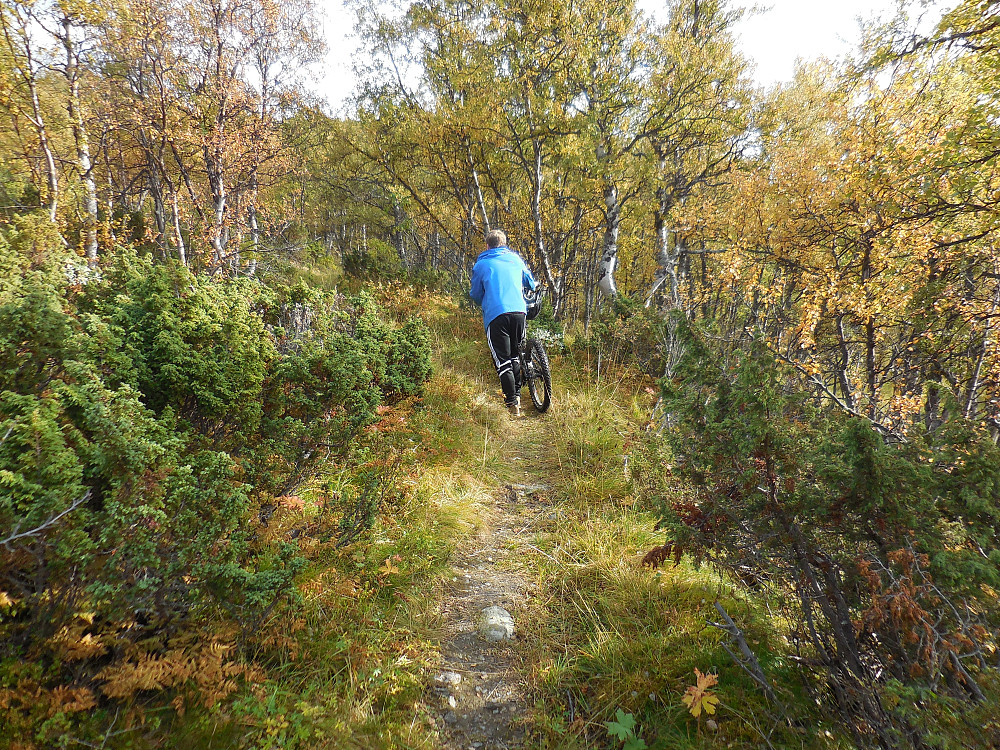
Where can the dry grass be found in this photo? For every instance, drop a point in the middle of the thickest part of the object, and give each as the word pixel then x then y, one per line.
pixel 606 633
pixel 603 633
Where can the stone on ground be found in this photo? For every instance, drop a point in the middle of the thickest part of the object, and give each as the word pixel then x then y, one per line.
pixel 496 624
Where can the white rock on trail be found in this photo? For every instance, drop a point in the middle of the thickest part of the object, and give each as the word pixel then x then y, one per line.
pixel 496 624
pixel 449 678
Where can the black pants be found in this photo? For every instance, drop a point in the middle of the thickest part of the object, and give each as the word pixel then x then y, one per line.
pixel 504 337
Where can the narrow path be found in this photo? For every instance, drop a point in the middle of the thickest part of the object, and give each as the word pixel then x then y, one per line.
pixel 479 686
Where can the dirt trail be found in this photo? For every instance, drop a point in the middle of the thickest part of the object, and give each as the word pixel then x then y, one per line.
pixel 479 687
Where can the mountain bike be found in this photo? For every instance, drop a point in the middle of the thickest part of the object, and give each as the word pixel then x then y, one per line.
pixel 535 370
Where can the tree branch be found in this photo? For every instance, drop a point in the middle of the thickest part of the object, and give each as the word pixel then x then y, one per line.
pixel 47 524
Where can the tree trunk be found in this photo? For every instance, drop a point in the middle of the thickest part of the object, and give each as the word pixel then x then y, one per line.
pixel 667 256
pixel 397 233
pixel 843 378
pixel 969 412
pixel 159 208
pixel 480 201
pixel 218 236
pixel 51 176
pixel 871 373
pixel 254 232
pixel 178 236
pixel 18 42
pixel 609 252
pixel 74 108
pixel 536 215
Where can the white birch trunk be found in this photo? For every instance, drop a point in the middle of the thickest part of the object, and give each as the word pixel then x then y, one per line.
pixel 218 237
pixel 75 111
pixel 609 253
pixel 159 208
pixel 969 412
pixel 51 176
pixel 479 193
pixel 178 236
pixel 254 233
pixel 38 123
pixel 536 214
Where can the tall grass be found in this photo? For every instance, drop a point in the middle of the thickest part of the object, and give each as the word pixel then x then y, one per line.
pixel 607 634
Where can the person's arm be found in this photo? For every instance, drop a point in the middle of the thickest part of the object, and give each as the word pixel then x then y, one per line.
pixel 527 280
pixel 477 290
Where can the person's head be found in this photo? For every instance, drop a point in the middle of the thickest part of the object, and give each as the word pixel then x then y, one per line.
pixel 496 238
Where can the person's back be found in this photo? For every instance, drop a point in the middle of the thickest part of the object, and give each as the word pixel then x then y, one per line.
pixel 498 283
pixel 498 280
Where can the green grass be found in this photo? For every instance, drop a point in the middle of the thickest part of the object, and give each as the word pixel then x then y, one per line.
pixel 603 633
pixel 607 634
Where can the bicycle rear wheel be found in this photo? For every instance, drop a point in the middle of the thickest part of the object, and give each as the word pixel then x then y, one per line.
pixel 539 376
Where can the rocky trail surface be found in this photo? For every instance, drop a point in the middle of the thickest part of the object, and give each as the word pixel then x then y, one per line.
pixel 479 687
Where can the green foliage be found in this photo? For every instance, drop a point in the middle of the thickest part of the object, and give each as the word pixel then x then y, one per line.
pixel 624 729
pixel 147 419
pixel 89 467
pixel 408 362
pixel 314 265
pixel 372 259
pixel 17 194
pixel 628 333
pixel 194 346
pixel 398 359
pixel 29 245
pixel 886 548
pixel 547 329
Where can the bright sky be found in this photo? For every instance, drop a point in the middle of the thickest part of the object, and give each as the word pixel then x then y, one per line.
pixel 810 29
pixel 789 30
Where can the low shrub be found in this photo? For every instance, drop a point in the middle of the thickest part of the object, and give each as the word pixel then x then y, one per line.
pixel 883 554
pixel 626 332
pixel 148 419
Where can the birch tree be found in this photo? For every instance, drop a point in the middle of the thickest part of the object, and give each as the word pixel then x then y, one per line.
pixel 74 28
pixel 20 24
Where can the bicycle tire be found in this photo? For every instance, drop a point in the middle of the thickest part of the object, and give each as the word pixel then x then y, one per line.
pixel 539 376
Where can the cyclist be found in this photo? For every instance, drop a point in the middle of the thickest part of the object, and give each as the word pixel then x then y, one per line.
pixel 498 281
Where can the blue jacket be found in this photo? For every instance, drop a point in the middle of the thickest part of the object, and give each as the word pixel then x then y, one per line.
pixel 498 280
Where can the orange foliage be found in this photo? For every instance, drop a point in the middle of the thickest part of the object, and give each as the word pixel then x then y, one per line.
pixel 204 666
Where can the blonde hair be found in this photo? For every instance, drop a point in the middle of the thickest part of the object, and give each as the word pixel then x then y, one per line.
pixel 496 238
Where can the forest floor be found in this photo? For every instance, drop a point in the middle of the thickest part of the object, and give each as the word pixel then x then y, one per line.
pixel 481 684
pixel 480 690
pixel 550 527
pixel 514 487
pixel 547 516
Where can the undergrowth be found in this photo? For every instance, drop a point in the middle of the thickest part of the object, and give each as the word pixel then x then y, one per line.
pixel 348 670
pixel 604 636
pixel 608 635
pixel 607 642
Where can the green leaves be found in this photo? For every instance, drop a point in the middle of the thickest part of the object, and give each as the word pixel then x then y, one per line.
pixel 193 345
pixel 145 417
pixel 624 726
pixel 625 729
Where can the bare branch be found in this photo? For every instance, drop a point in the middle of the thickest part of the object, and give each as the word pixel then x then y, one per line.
pixel 47 524
pixel 881 429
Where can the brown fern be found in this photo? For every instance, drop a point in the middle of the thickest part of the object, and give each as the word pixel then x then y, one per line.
pixel 659 555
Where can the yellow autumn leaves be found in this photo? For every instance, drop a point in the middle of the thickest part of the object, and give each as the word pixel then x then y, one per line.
pixel 699 697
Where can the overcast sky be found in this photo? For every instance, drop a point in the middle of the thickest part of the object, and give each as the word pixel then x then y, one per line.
pixel 791 29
